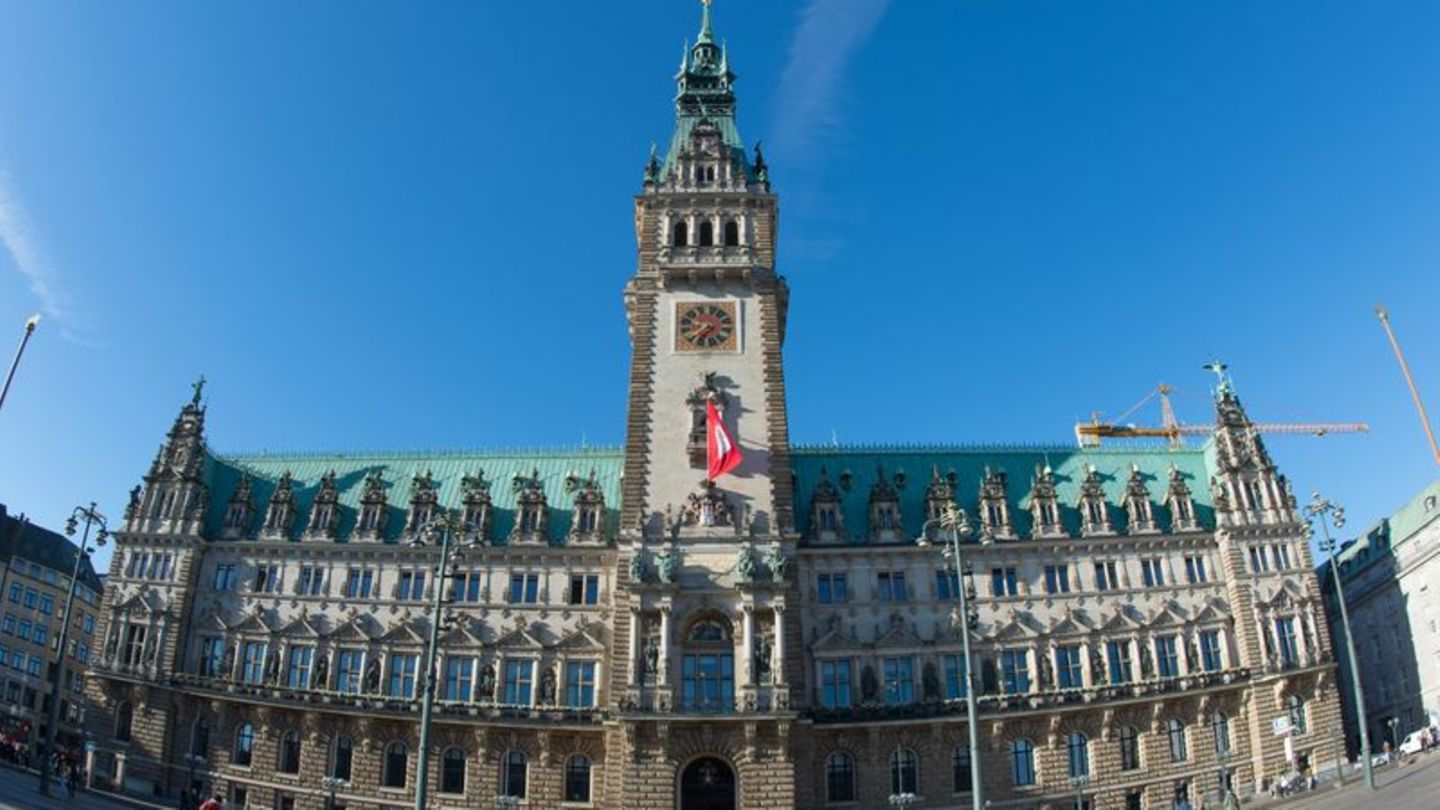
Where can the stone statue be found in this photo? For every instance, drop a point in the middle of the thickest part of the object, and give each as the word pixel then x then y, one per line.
pixel 272 667
pixel 745 565
pixel 1047 672
pixel 227 661
pixel 1147 665
pixel 322 672
pixel 1097 667
pixel 778 564
pixel 372 676
pixel 869 687
pixel 133 508
pixel 930 682
pixel 637 568
pixel 651 652
pixel 487 682
pixel 547 688
pixel 668 567
pixel 762 659
pixel 1191 658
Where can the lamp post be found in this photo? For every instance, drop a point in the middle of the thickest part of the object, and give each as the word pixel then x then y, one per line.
pixel 444 527
pixel 1222 756
pixel 1079 783
pixel 30 325
pixel 1318 508
pixel 92 517
pixel 331 785
pixel 957 524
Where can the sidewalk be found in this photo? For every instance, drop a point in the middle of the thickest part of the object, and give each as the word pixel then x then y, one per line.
pixel 1412 786
pixel 20 789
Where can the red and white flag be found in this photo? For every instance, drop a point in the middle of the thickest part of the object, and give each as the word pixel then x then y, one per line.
pixel 722 453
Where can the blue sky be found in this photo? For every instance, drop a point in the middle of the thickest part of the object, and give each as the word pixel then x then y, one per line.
pixel 379 225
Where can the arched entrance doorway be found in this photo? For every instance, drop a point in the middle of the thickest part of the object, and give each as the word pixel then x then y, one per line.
pixel 707 784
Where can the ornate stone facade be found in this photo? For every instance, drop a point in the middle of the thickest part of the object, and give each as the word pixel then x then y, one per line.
pixel 620 631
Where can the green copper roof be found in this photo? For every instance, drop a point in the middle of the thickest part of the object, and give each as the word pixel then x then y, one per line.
pixel 705 93
pixel 397 469
pixel 1018 463
pixel 1379 541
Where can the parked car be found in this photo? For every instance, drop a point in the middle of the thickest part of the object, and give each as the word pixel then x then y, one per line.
pixel 1414 743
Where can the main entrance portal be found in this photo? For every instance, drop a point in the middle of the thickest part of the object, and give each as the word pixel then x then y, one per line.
pixel 707 784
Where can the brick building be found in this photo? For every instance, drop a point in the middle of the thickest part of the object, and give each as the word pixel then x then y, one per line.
pixel 623 631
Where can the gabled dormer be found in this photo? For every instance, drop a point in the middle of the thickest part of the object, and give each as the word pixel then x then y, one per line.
pixel 827 512
pixel 325 511
pixel 1045 505
pixel 532 511
pixel 475 501
pixel 280 512
pixel 1140 514
pixel 1180 503
pixel 240 511
pixel 886 525
pixel 1094 511
pixel 370 522
pixel 995 505
pixel 424 503
pixel 587 523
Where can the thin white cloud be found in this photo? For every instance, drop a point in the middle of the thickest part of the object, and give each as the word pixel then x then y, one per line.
pixel 829 34
pixel 30 261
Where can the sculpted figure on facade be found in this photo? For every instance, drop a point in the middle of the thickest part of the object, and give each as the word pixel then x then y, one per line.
pixel 638 568
pixel 547 688
pixel 778 564
pixel 487 682
pixel 667 565
pixel 372 677
pixel 745 565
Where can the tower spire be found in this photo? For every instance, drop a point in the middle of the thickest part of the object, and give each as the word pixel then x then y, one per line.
pixel 706 35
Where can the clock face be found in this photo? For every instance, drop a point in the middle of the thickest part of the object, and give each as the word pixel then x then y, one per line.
pixel 706 326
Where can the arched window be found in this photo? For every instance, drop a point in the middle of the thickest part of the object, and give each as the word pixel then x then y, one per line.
pixel 680 235
pixel 1175 730
pixel 452 771
pixel 244 745
pixel 1129 748
pixel 732 233
pixel 960 769
pixel 1022 763
pixel 1296 705
pixel 343 757
pixel 904 771
pixel 1220 725
pixel 200 738
pixel 397 762
pixel 840 777
pixel 287 758
pixel 124 716
pixel 577 778
pixel 707 233
pixel 1078 747
pixel 514 770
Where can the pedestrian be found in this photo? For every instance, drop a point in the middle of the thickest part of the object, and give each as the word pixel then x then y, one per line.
pixel 71 778
pixel 215 802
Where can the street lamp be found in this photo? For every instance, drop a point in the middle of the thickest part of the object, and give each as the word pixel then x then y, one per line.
pixel 903 800
pixel 1318 508
pixel 444 528
pixel 91 516
pixel 30 325
pixel 1394 738
pixel 331 785
pixel 1226 794
pixel 957 524
pixel 1079 783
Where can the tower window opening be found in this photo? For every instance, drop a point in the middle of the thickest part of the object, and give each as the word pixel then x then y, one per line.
pixel 732 234
pixel 707 233
pixel 681 234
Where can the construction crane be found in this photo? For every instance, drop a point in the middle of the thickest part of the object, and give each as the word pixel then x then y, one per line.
pixel 1089 434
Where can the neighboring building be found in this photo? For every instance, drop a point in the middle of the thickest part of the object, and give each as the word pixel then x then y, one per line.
pixel 1391 578
pixel 35 569
pixel 628 635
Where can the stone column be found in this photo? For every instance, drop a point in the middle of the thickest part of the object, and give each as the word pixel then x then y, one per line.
pixel 777 663
pixel 747 646
pixel 634 645
pixel 238 664
pixel 663 667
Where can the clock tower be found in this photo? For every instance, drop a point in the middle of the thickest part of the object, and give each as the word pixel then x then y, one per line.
pixel 701 684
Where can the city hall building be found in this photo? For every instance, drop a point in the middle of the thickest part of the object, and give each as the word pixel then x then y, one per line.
pixel 620 630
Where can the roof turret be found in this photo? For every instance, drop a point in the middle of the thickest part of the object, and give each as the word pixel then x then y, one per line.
pixel 705 95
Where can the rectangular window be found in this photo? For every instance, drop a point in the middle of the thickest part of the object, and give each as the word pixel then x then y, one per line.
pixel 707 682
pixel 584 589
pixel 955 680
pixel 890 586
pixel 35 664
pixel 312 581
pixel 1106 576
pixel 1258 563
pixel 41 632
pixel 297 669
pixel 47 604
pixel 899 680
pixel 24 631
pixel 835 683
pixel 15 592
pixel 402 675
pixel 459 678
pixel 518 681
pixel 1166 662
pixel 1057 579
pixel 1152 572
pixel 1195 570
pixel 1003 582
pixel 18 662
pixel 1069 667
pixel 1118 655
pixel 1015 671
pixel 947 584
pixel 832 589
pixel 465 587
pixel 224 577
pixel 580 684
pixel 1210 650
pixel 212 657
pixel 524 588
pixel 349 664
pixel 252 662
pixel 1284 637
pixel 8 625
pixel 267 579
pixel 411 587
pixel 82 654
pixel 359 582
pixel 31 597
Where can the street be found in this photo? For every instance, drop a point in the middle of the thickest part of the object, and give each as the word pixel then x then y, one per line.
pixel 1403 787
